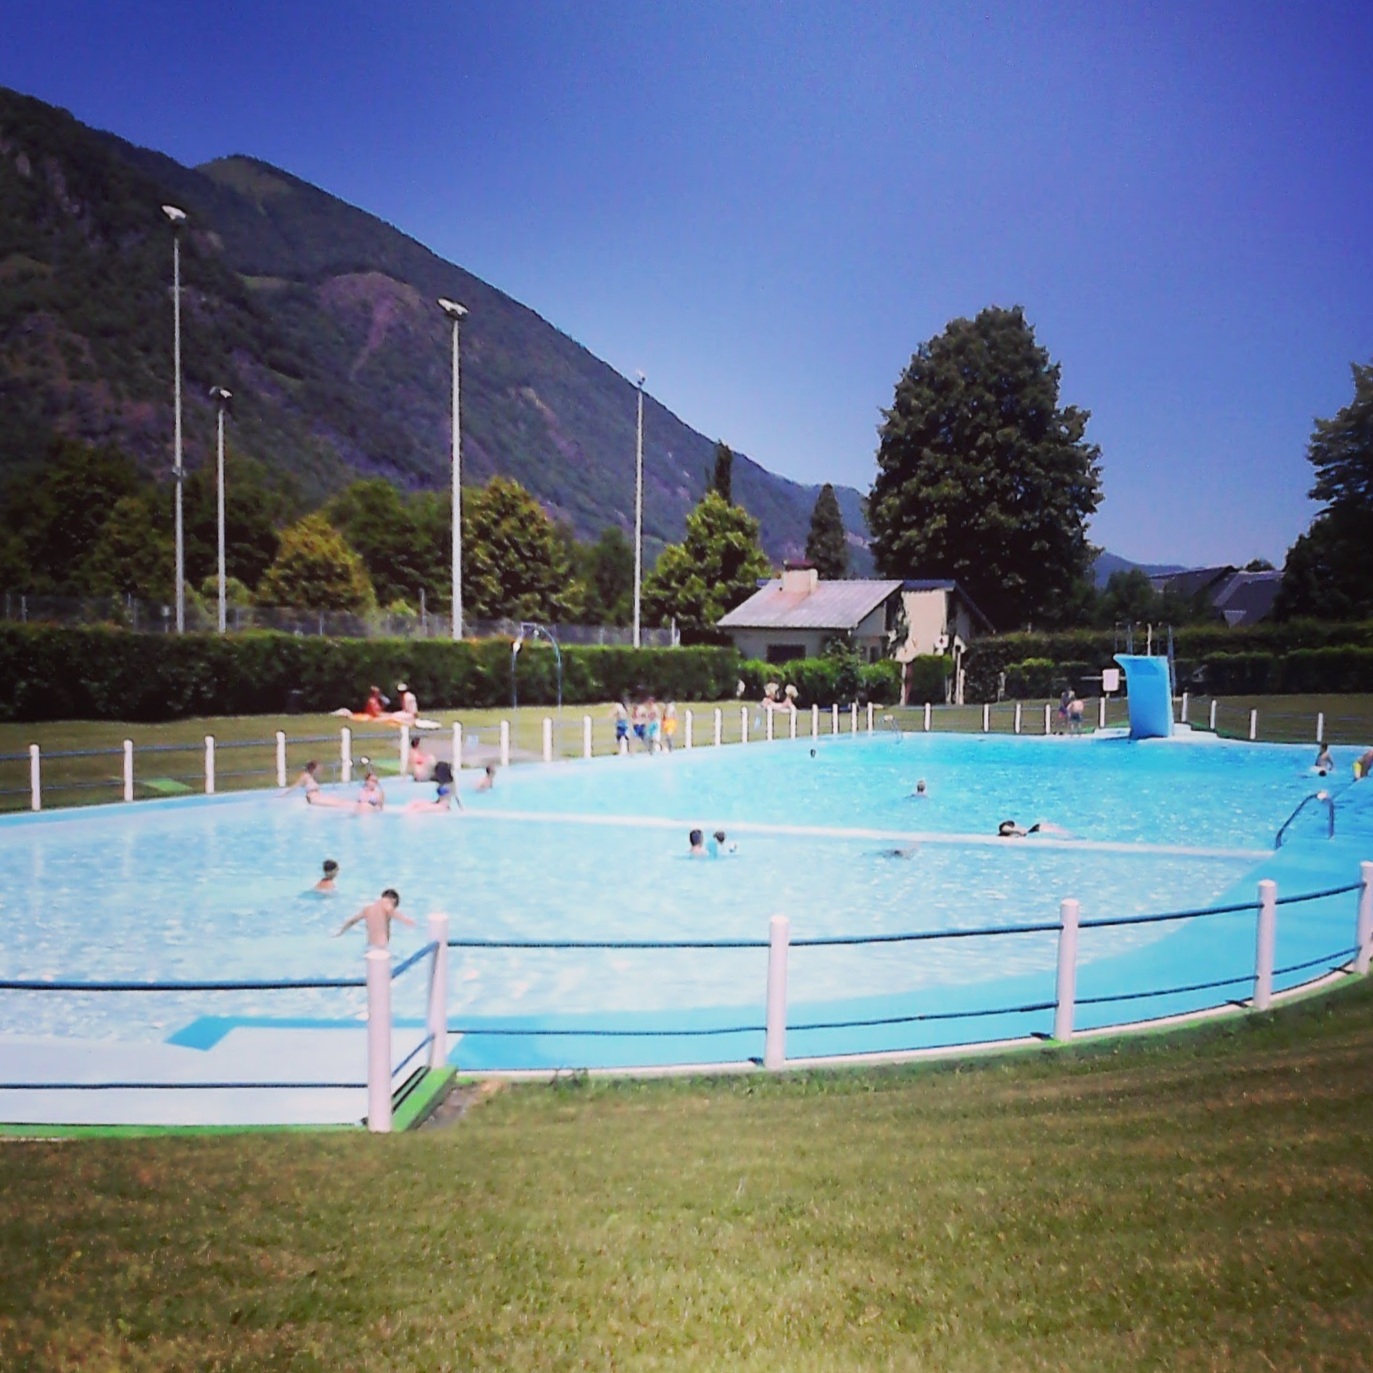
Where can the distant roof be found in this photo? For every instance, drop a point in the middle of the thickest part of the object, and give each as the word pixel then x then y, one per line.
pixel 831 605
pixel 1195 579
pixel 1248 597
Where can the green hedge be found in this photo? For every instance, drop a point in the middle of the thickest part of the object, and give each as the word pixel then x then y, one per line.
pixel 826 681
pixel 108 674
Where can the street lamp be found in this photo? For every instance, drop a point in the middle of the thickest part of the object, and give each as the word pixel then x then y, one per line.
pixel 221 398
pixel 456 312
pixel 638 507
pixel 177 218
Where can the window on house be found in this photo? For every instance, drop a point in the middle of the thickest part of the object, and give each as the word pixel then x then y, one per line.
pixel 785 653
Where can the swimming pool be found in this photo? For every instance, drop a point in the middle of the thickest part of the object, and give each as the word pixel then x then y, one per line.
pixel 828 834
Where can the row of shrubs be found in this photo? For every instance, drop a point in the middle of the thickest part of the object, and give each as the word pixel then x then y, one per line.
pixel 60 673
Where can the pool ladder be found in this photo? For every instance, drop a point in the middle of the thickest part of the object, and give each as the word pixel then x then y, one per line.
pixel 889 722
pixel 1324 796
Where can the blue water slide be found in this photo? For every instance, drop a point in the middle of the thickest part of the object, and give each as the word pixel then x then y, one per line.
pixel 1149 683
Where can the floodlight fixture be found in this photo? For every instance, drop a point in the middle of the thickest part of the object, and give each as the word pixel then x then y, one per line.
pixel 452 309
pixel 177 217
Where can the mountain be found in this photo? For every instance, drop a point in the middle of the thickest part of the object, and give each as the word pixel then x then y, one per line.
pixel 321 319
pixel 1107 563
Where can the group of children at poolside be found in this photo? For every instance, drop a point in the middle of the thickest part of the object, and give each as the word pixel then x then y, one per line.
pixel 650 725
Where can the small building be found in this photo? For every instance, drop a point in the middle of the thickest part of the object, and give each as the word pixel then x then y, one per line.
pixel 1240 598
pixel 797 615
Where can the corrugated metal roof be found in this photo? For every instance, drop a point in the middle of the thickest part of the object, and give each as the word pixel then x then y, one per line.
pixel 832 605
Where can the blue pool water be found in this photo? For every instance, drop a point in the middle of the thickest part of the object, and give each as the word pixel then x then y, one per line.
pixel 219 888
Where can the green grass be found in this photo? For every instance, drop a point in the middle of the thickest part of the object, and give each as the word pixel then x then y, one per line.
pixel 246 754
pixel 1192 1201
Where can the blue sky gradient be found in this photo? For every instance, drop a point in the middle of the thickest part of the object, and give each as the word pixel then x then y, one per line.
pixel 768 206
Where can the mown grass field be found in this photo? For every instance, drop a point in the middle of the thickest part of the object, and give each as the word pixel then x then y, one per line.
pixel 1195 1201
pixel 83 760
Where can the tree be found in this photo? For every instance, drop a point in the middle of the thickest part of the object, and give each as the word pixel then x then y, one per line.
pixel 513 563
pixel 398 539
pixel 722 479
pixel 251 512
pixel 607 570
pixel 132 555
pixel 1329 570
pixel 715 568
pixel 316 570
pixel 981 476
pixel 825 544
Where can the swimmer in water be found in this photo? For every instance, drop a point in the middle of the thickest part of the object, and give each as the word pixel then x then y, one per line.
pixel 378 916
pixel 920 792
pixel 371 797
pixel 326 883
pixel 1324 762
pixel 718 845
pixel 697 841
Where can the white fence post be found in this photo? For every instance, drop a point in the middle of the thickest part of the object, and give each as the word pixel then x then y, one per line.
pixel 1101 712
pixel 1253 724
pixel 209 765
pixel 1267 941
pixel 457 747
pixel 128 769
pixel 743 724
pixel 1320 726
pixel 345 755
pixel 1069 913
pixel 505 743
pixel 986 718
pixel 1213 714
pixel 834 718
pixel 1363 940
pixel 869 717
pixel 792 716
pixel 586 736
pixel 438 991
pixel 815 722
pixel 403 746
pixel 927 717
pixel 688 727
pixel 379 1041
pixel 1183 716
pixel 853 718
pixel 547 739
pixel 769 729
pixel 719 725
pixel 35 779
pixel 1017 717
pixel 1046 717
pixel 281 757
pixel 775 1045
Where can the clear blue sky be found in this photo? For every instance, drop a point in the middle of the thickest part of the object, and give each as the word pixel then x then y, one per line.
pixel 768 206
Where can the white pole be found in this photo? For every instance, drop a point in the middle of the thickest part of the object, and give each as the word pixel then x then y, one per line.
pixel 128 769
pixel 853 718
pixel 379 1041
pixel 403 745
pixel 281 757
pixel 209 765
pixel 769 714
pixel 1363 940
pixel 1213 715
pixel 35 779
pixel 927 717
pixel 586 736
pixel 986 718
pixel 438 991
pixel 456 312
pixel 345 755
pixel 505 743
pixel 1017 717
pixel 834 719
pixel 1046 717
pixel 219 471
pixel 1183 716
pixel 1069 912
pixel 775 1045
pixel 869 717
pixel 177 471
pixel 457 748
pixel 1267 941
pixel 638 510
pixel 688 726
pixel 547 739
pixel 1253 724
pixel 1101 712
pixel 719 725
pixel 743 724
pixel 792 714
pixel 815 722
pixel 1320 726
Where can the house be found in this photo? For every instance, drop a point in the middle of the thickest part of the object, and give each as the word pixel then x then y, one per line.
pixel 1240 598
pixel 797 615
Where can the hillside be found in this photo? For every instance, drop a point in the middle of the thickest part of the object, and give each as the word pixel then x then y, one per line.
pixel 320 318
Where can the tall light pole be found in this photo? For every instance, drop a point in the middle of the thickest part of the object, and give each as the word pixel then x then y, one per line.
pixel 221 398
pixel 456 312
pixel 177 218
pixel 638 508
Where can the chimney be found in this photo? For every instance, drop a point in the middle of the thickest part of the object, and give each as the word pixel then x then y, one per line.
pixel 799 579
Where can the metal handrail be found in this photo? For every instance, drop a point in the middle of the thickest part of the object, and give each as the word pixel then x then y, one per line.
pixel 1305 801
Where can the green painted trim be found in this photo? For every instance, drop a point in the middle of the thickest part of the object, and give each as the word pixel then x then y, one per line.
pixel 419 1103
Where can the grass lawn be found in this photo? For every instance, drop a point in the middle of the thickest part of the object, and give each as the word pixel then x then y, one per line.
pixel 1192 1201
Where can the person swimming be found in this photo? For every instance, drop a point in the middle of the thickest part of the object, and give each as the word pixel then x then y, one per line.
pixel 697 841
pixel 326 883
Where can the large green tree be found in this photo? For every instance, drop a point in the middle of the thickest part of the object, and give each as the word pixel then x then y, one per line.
pixel 252 512
pixel 1329 570
pixel 316 570
pixel 826 546
pixel 398 538
pixel 982 477
pixel 514 564
pixel 606 567
pixel 714 569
